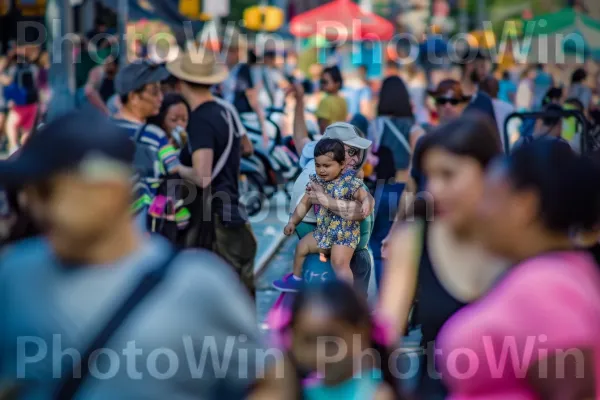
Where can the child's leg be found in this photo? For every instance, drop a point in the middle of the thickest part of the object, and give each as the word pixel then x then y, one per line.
pixel 307 245
pixel 340 261
pixel 12 130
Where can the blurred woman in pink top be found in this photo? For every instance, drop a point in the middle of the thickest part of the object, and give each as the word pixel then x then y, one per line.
pixel 536 334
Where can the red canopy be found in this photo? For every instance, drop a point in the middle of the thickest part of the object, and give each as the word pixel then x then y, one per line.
pixel 341 19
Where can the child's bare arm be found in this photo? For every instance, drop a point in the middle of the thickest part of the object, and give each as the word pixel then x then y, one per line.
pixel 298 215
pixel 367 201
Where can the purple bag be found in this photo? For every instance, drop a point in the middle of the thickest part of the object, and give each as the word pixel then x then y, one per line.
pixel 278 319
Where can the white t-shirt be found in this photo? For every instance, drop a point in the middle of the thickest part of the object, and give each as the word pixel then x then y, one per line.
pixel 307 163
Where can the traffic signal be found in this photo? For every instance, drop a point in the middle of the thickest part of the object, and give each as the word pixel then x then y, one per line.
pixel 193 10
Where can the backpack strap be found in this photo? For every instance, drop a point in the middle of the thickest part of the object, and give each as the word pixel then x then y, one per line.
pixel 388 122
pixel 72 382
pixel 225 156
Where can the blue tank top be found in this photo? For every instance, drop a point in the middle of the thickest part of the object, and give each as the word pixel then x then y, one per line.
pixel 363 388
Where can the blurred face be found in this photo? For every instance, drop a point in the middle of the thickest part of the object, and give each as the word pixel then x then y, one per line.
pixel 455 183
pixel 147 102
pixel 449 106
pixel 353 156
pixel 315 71
pixel 328 85
pixel 111 67
pixel 478 71
pixel 233 56
pixel 291 60
pixel 177 116
pixel 362 72
pixel 317 339
pixel 503 214
pixel 327 168
pixel 75 213
pixel 391 71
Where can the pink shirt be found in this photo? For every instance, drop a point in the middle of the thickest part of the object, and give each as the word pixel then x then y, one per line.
pixel 544 304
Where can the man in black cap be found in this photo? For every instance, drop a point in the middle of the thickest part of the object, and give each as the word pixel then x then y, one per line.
pixel 60 290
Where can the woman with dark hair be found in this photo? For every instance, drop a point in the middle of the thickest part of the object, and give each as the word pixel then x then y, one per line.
pixel 394 127
pixel 173 118
pixel 439 262
pixel 548 304
pixel 579 89
pixel 332 107
pixel 165 218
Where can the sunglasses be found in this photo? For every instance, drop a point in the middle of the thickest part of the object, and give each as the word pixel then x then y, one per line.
pixel 442 101
pixel 351 151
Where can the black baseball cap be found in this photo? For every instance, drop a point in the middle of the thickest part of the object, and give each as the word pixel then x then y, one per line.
pixel 84 142
pixel 138 74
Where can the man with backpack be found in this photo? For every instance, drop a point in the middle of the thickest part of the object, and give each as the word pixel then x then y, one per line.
pixel 21 95
pixel 211 161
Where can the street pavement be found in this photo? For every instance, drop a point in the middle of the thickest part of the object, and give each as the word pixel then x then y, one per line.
pixel 275 251
pixel 268 227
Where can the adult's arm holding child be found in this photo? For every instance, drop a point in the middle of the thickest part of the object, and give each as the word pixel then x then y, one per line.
pixel 367 201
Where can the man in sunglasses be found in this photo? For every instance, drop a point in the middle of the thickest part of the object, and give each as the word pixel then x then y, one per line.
pixel 356 146
pixel 450 100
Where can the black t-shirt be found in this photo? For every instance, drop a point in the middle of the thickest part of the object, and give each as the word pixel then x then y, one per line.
pixel 208 129
pixel 243 82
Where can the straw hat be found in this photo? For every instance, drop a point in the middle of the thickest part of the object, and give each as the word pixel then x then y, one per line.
pixel 201 67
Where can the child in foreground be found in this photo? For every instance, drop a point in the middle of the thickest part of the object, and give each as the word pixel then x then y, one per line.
pixel 334 236
pixel 333 310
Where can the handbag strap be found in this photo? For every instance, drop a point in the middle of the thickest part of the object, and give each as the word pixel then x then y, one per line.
pixel 70 384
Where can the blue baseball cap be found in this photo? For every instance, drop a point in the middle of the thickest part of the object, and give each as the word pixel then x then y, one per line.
pixel 138 74
pixel 88 143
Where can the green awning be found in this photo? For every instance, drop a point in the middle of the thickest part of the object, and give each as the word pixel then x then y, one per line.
pixel 579 33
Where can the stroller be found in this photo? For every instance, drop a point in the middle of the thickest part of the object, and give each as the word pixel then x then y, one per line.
pixel 583 140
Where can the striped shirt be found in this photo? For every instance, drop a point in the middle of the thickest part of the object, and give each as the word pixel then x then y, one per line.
pixel 156 140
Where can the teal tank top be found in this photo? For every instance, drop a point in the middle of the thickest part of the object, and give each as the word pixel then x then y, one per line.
pixel 363 388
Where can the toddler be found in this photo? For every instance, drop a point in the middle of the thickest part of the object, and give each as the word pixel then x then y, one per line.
pixel 334 236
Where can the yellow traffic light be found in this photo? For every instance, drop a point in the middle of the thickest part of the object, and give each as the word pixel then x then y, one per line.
pixel 192 9
pixel 263 18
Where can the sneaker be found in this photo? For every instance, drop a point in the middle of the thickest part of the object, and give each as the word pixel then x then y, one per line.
pixel 288 284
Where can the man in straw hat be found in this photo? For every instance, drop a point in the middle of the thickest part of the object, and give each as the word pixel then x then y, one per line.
pixel 214 155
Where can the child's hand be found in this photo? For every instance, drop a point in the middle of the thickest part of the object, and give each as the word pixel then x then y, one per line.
pixel 289 229
pixel 366 209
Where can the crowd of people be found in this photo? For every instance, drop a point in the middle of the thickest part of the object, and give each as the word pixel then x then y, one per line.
pixel 123 232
